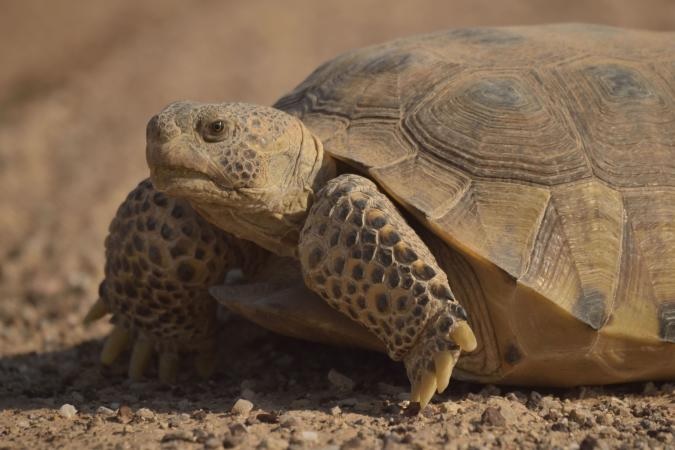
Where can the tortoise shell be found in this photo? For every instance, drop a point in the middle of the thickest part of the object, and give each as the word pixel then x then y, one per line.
pixel 541 160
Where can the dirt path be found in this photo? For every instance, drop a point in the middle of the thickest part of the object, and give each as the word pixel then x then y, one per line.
pixel 78 82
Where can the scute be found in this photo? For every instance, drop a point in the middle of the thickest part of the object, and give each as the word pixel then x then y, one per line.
pixel 545 154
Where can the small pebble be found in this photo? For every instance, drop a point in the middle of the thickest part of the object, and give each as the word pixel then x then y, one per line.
pixel 124 414
pixel 308 436
pixel 335 411
pixel 145 413
pixel 492 417
pixel 242 407
pixel 68 411
pixel 104 411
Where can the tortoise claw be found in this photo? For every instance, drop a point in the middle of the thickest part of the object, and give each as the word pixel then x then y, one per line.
pixel 97 311
pixel 115 344
pixel 140 357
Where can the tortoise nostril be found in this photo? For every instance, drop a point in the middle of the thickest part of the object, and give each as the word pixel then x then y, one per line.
pixel 152 131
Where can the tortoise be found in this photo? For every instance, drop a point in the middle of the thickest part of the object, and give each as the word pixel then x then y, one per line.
pixel 507 194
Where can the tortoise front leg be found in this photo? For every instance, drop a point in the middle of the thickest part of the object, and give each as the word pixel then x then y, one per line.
pixel 358 253
pixel 161 258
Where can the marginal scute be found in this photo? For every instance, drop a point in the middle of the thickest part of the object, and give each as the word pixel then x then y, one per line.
pixel 496 220
pixel 565 265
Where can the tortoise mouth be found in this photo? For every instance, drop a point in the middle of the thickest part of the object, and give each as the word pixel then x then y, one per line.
pixel 187 183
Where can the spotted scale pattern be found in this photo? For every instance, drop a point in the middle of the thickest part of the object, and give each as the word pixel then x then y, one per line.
pixel 359 255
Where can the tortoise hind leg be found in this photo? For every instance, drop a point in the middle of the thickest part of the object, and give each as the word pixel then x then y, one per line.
pixel 161 258
pixel 360 256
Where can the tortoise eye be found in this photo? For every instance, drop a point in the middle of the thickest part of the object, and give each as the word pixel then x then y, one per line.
pixel 215 131
pixel 217 127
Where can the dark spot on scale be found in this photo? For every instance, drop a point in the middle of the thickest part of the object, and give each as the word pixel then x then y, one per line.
pixel 342 212
pixel 377 275
pixel 315 256
pixel 423 271
pixel 187 229
pixel 404 254
pixel 350 238
pixel 155 255
pixel 357 272
pixel 384 257
pixel 423 300
pixel 151 224
pixel 177 212
pixel 445 324
pixel 199 253
pixel 338 265
pixel 393 278
pixel 441 291
pixel 512 355
pixel 351 288
pixel 334 238
pixel 356 253
pixel 402 303
pixel 382 302
pixel 160 199
pixel 166 232
pixel 356 219
pixel 407 281
pixel 360 203
pixel 319 279
pixel 178 250
pixel 361 302
pixel 368 252
pixel 145 206
pixel 336 291
pixel 390 238
pixel 369 237
pixel 457 310
pixel 418 289
pixel 417 311
pixel 376 221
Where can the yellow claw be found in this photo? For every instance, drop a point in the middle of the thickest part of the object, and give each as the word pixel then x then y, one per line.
pixel 463 335
pixel 97 311
pixel 140 357
pixel 114 345
pixel 427 388
pixel 423 390
pixel 444 362
pixel 168 367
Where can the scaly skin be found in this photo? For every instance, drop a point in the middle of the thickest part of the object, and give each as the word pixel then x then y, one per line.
pixel 161 258
pixel 359 255
pixel 255 171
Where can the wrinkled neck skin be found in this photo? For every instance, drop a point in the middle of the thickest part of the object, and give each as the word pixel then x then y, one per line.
pixel 273 217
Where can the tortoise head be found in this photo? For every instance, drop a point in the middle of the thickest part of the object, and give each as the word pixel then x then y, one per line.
pixel 250 170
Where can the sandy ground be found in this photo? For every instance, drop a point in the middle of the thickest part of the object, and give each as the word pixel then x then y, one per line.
pixel 78 82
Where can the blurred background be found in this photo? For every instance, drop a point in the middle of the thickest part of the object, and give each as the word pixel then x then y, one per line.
pixel 79 79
